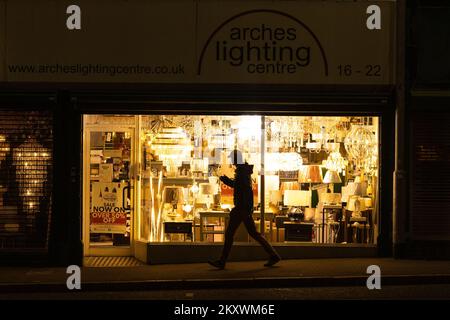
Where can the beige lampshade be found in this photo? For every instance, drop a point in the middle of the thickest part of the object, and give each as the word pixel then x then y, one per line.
pixel 310 174
pixel 360 189
pixel 296 198
pixel 206 188
pixel 332 177
pixel 356 203
pixel 330 198
pixel 206 193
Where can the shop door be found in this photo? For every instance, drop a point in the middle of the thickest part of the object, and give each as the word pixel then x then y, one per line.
pixel 109 181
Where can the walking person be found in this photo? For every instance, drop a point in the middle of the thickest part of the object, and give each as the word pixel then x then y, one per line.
pixel 242 211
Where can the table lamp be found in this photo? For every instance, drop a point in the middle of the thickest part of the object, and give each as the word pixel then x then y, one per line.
pixel 296 199
pixel 331 177
pixel 356 204
pixel 206 194
pixel 310 174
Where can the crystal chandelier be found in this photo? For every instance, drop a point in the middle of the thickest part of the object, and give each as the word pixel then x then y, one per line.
pixel 335 162
pixel 360 143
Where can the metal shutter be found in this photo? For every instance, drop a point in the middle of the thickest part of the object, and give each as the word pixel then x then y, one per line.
pixel 430 166
pixel 26 148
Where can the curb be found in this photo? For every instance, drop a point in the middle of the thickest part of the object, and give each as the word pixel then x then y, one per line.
pixel 284 282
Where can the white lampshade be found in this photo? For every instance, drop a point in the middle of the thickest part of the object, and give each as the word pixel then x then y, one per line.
pixel 297 198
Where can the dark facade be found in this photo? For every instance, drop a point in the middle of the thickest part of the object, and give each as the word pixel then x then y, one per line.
pixel 426 233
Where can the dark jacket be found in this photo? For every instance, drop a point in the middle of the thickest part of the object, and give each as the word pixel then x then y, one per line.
pixel 242 185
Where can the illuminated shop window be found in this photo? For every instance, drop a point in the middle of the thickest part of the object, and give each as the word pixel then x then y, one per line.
pixel 320 176
pixel 155 178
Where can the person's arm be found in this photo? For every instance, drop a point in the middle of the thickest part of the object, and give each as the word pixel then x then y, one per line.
pixel 229 182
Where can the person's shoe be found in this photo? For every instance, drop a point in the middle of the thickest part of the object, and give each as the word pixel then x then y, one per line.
pixel 272 261
pixel 217 263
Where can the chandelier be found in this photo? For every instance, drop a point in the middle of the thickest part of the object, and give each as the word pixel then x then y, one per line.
pixel 360 144
pixel 335 162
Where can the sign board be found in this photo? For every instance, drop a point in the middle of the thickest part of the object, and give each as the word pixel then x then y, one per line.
pixel 107 212
pixel 199 41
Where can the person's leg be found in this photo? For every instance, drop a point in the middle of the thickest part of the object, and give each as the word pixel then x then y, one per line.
pixel 251 229
pixel 233 224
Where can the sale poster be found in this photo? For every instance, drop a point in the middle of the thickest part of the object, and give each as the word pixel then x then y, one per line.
pixel 108 214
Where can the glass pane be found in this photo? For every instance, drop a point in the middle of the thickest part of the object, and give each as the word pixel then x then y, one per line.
pixel 110 159
pixel 320 177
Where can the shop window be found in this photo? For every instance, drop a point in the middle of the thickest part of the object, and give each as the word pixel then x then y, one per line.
pixel 320 177
pixel 25 179
pixel 155 178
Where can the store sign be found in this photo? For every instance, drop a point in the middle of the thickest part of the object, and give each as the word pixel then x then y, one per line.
pixel 107 212
pixel 193 41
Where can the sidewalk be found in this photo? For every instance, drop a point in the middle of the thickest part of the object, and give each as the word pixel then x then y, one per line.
pixel 288 273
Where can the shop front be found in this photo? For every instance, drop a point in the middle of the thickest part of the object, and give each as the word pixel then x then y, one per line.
pixel 151 186
pixel 153 96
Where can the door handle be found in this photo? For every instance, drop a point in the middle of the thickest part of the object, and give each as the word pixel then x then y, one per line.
pixel 125 197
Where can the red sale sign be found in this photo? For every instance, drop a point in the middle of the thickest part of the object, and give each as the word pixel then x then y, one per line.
pixel 107 212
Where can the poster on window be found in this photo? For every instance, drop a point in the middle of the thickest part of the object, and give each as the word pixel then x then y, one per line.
pixel 108 214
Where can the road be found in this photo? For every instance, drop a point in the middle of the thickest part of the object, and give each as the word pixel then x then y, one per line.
pixel 421 292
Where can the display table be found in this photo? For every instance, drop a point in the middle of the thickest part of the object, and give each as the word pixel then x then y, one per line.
pixel 212 214
pixel 329 208
pixel 298 231
pixel 180 227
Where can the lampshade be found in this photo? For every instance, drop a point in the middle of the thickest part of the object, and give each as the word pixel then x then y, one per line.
pixel 356 203
pixel 360 189
pixel 332 177
pixel 296 198
pixel 173 194
pixel 310 174
pixel 329 198
pixel 275 196
pixel 206 188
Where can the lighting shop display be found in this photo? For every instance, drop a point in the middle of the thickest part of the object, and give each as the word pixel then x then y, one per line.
pixel 294 155
pixel 172 146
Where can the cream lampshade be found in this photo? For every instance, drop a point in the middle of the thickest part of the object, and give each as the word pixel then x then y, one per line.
pixel 356 204
pixel 332 177
pixel 206 194
pixel 297 198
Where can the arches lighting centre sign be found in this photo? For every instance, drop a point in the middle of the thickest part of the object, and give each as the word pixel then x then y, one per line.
pixel 196 41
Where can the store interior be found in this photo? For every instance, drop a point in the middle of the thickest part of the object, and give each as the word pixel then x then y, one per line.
pixel 315 178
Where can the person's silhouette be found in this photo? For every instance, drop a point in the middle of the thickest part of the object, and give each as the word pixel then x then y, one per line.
pixel 242 211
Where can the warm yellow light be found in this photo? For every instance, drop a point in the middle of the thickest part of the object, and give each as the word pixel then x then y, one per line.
pixel 194 188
